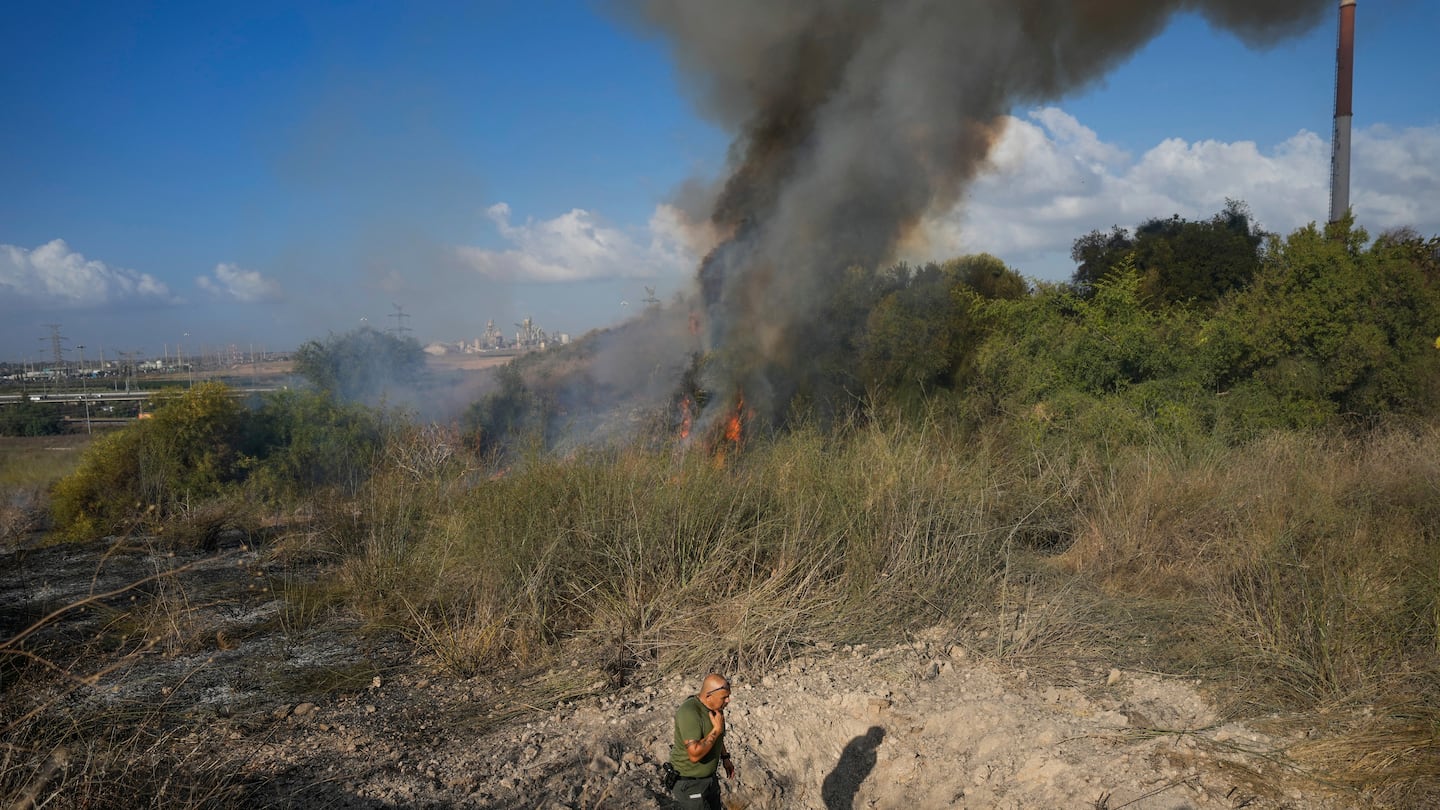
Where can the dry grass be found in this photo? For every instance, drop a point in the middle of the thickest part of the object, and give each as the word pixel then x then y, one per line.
pixel 27 461
pixel 1297 574
pixel 1304 572
pixel 64 746
pixel 672 556
pixel 28 466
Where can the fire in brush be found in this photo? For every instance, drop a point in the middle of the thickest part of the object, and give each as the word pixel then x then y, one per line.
pixel 854 121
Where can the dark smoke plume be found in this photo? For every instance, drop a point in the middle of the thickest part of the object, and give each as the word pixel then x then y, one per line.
pixel 854 118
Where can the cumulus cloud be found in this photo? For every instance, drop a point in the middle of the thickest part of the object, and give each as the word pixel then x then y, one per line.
pixel 234 283
pixel 1052 179
pixel 575 246
pixel 52 276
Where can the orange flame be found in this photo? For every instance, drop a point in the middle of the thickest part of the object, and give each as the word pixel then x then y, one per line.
pixel 733 433
pixel 732 425
pixel 685 418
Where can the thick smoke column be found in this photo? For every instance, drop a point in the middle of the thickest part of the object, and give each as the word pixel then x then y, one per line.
pixel 855 118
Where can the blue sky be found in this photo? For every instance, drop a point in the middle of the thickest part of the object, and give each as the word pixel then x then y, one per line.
pixel 260 174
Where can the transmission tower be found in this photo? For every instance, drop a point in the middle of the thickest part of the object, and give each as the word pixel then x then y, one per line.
pixel 57 348
pixel 399 315
pixel 127 360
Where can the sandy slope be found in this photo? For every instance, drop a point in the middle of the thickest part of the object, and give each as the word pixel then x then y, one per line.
pixel 924 724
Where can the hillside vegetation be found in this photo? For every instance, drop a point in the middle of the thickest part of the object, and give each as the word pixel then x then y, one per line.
pixel 1237 479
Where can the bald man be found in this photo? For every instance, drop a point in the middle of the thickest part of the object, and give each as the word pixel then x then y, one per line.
pixel 699 747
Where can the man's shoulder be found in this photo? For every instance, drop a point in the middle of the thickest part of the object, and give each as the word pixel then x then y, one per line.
pixel 690 712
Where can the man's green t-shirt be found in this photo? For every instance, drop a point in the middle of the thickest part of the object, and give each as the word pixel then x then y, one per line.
pixel 692 722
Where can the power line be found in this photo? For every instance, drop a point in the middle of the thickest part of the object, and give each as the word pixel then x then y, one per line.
pixel 57 346
pixel 399 315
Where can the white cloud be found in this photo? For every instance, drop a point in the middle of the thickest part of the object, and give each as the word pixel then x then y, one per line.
pixel 235 283
pixel 52 276
pixel 1052 179
pixel 576 247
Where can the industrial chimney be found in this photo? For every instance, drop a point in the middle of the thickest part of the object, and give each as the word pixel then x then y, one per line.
pixel 1340 142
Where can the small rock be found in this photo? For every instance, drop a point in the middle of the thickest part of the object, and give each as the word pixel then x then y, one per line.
pixel 957 652
pixel 1138 719
pixel 603 764
pixel 375 682
pixel 304 709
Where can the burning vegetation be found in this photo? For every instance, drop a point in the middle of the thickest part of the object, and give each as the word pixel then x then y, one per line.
pixel 1110 470
pixel 853 121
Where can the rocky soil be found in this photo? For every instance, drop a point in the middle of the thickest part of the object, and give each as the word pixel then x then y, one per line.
pixel 308 718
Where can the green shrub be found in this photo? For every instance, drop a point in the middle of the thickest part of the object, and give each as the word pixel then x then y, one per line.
pixel 1330 326
pixel 148 471
pixel 300 442
pixel 364 365
pixel 30 419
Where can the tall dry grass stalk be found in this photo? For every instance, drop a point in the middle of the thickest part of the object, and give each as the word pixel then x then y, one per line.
pixel 1299 571
pixel 62 745
pixel 1316 555
pixel 1305 574
pixel 672 556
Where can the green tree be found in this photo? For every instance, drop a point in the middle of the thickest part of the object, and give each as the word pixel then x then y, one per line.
pixel 508 415
pixel 1096 253
pixel 922 335
pixel 138 476
pixel 987 276
pixel 364 365
pixel 26 418
pixel 1333 326
pixel 1105 367
pixel 301 441
pixel 1180 261
pixel 1198 262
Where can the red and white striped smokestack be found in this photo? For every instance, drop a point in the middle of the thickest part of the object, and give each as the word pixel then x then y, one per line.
pixel 1344 85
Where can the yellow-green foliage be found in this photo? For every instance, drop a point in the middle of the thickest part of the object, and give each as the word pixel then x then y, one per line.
pixel 104 492
pixel 137 476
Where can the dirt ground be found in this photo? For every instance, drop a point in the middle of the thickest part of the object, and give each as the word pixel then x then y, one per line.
pixel 331 718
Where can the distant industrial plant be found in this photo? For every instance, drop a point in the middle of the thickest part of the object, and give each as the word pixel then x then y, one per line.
pixel 528 336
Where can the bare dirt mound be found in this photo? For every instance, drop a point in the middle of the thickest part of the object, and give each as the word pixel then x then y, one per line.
pixel 331 719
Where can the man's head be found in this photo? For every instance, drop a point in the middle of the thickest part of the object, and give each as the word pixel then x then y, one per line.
pixel 714 692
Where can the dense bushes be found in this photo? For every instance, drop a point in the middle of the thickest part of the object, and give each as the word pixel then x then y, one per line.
pixel 363 365
pixel 204 444
pixel 1179 261
pixel 1320 329
pixel 26 418
pixel 1328 329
